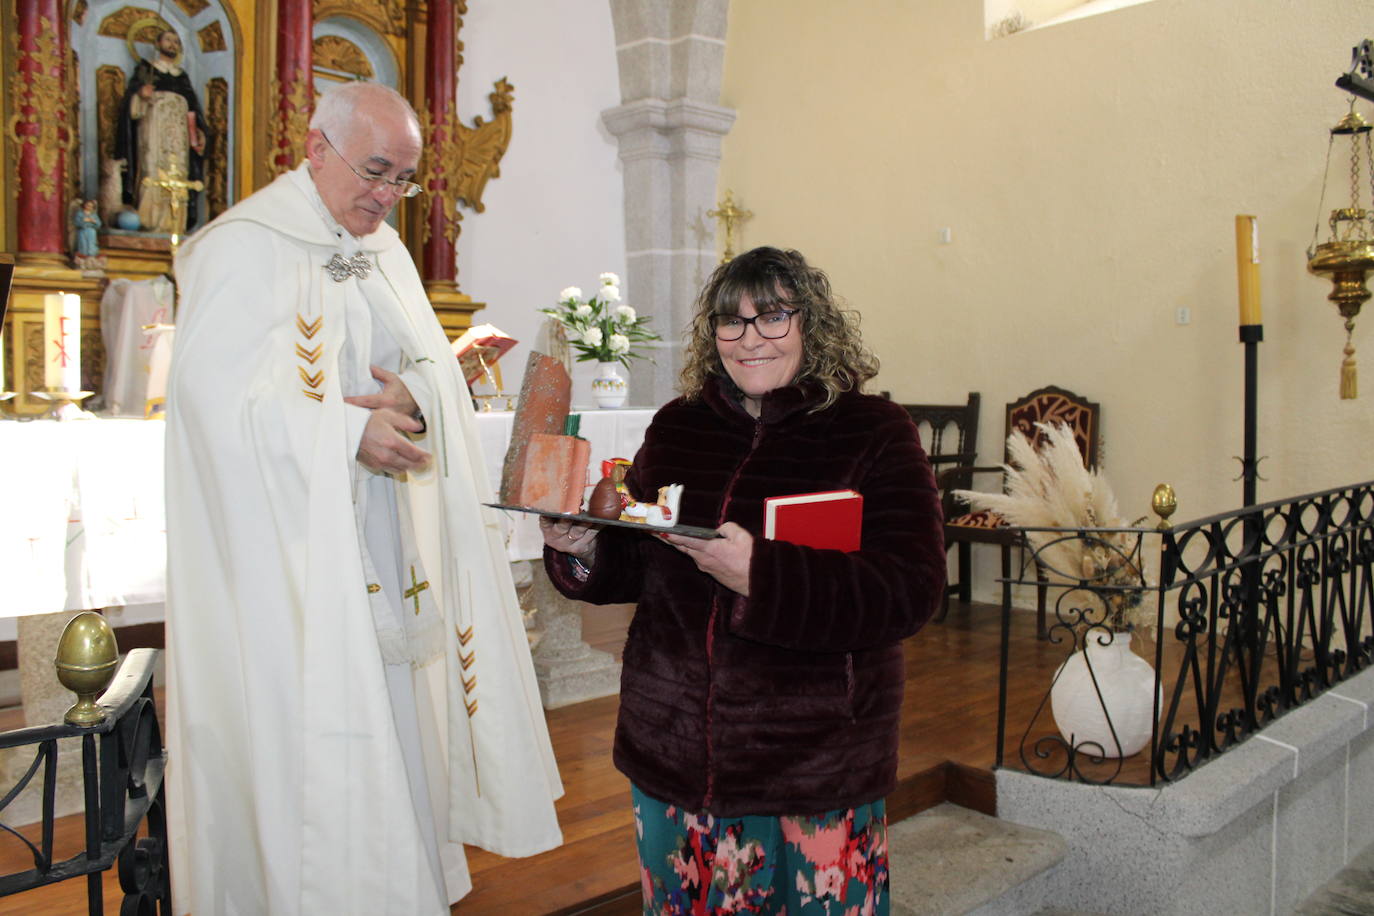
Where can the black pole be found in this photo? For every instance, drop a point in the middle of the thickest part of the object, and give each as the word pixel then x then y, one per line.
pixel 1249 636
pixel 1250 335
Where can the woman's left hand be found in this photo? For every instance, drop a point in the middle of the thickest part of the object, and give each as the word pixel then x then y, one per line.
pixel 725 559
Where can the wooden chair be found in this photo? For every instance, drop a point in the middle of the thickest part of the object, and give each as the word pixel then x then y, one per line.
pixel 949 433
pixel 964 529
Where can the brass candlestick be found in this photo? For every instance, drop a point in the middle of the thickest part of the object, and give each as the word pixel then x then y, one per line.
pixel 66 405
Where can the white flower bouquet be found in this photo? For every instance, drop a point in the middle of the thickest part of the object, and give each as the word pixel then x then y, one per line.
pixel 600 328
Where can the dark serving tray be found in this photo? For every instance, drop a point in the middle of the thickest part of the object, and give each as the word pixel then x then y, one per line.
pixel 690 531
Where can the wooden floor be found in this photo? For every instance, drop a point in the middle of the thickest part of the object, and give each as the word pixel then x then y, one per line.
pixel 948 747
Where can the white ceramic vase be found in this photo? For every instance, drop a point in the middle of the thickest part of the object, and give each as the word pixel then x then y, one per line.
pixel 609 387
pixel 1127 686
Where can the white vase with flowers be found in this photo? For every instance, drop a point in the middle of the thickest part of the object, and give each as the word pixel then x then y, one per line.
pixel 604 330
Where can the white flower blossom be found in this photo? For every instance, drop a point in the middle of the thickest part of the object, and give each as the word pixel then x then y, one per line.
pixel 584 310
pixel 610 294
pixel 620 344
pixel 592 337
pixel 609 279
pixel 572 292
pixel 626 312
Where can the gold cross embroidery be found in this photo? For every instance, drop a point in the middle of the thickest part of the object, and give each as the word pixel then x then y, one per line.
pixel 415 588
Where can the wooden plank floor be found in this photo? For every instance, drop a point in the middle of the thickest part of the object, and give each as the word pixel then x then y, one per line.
pixel 948 748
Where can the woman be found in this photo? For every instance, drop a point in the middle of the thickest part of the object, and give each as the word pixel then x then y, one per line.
pixel 762 680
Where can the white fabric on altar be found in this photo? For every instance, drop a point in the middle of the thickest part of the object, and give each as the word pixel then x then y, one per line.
pixel 83 525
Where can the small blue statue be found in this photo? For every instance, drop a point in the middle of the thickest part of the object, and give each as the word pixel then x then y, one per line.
pixel 86 221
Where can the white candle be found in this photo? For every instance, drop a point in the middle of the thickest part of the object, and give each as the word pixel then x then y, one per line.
pixel 62 342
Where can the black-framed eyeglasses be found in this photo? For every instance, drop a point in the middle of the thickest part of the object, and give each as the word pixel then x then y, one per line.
pixel 400 186
pixel 771 325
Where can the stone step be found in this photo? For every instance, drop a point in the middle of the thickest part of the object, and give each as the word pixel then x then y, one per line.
pixel 950 861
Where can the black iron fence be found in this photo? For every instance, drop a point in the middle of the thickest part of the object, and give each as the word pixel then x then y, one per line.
pixel 1241 617
pixel 122 766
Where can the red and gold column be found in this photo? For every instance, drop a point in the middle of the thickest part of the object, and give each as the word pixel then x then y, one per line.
pixel 40 130
pixel 439 264
pixel 293 87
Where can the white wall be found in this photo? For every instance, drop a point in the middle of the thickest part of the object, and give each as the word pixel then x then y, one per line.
pixel 555 216
pixel 1090 174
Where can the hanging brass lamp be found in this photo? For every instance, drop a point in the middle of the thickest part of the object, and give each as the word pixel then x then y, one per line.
pixel 1348 254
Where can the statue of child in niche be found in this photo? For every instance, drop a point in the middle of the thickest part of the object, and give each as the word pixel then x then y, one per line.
pixel 85 246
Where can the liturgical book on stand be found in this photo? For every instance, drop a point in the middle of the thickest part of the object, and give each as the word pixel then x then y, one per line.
pixel 829 520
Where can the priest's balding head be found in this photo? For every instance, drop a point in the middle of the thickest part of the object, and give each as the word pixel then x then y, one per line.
pixel 363 147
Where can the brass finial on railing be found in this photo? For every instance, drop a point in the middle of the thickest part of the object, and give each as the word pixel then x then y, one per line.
pixel 86 658
pixel 1164 502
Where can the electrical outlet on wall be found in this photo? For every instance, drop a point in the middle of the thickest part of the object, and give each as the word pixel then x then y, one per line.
pixel 1183 315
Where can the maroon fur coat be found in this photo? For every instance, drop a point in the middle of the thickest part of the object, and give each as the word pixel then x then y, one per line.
pixel 785 702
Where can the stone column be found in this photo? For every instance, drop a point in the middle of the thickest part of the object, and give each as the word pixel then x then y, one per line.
pixel 670 126
pixel 567 669
pixel 40 130
pixel 293 86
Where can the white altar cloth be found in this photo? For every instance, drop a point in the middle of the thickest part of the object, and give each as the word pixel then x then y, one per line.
pixel 83 522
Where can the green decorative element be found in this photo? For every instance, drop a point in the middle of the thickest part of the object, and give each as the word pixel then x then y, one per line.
pixel 572 426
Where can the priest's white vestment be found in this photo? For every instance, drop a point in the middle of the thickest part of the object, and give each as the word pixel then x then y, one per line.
pixel 350 691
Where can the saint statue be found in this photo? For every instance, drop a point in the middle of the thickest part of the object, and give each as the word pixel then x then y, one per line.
pixel 161 135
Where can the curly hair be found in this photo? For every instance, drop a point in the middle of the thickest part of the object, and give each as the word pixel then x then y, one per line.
pixel 833 353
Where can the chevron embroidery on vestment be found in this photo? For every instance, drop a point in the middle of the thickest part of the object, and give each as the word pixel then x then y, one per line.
pixel 464 636
pixel 314 381
pixel 312 394
pixel 310 356
pixel 470 684
pixel 311 329
pixel 468 659
pixel 472 711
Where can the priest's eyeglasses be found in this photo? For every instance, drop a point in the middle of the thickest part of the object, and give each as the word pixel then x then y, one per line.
pixel 771 325
pixel 400 186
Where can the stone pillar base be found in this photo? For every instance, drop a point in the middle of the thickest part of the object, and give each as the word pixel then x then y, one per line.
pixel 567 669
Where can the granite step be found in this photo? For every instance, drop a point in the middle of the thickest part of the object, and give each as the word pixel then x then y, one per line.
pixel 950 861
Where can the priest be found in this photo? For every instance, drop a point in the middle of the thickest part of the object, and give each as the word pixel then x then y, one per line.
pixel 350 691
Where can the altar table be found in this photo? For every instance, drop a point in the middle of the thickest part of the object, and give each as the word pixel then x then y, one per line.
pixel 83 524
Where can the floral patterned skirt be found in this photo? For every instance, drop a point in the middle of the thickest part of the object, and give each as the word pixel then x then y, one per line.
pixel 833 863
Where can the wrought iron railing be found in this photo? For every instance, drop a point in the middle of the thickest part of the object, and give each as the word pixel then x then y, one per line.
pixel 122 767
pixel 1243 615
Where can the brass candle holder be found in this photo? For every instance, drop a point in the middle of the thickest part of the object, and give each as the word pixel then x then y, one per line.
pixel 66 405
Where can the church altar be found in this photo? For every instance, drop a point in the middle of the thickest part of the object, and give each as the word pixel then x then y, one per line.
pixel 87 529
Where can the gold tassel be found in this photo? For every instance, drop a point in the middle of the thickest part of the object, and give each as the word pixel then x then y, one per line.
pixel 1349 382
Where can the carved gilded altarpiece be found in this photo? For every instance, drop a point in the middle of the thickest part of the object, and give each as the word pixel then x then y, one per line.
pixel 67 108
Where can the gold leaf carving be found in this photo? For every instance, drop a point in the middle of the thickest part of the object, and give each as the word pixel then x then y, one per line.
pixel 116 25
pixel 460 160
pixel 38 106
pixel 217 163
pixel 286 130
pixel 386 16
pixel 79 12
pixel 211 38
pixel 109 91
pixel 193 7
pixel 338 53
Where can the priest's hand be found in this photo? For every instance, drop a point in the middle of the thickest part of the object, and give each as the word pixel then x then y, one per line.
pixel 567 536
pixel 394 394
pixel 725 559
pixel 385 449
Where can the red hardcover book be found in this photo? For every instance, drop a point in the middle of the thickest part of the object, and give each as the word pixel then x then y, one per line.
pixel 830 520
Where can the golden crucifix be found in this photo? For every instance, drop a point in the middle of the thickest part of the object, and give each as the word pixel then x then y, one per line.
pixel 730 215
pixel 177 188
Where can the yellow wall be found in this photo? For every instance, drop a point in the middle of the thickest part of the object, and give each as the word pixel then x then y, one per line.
pixel 1090 174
